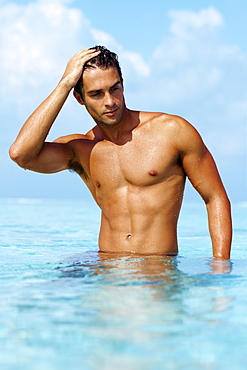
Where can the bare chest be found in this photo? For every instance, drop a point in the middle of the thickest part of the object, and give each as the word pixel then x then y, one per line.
pixel 136 162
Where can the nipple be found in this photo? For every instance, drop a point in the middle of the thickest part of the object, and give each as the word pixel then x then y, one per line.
pixel 153 173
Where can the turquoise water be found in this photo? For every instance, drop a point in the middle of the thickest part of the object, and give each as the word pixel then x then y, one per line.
pixel 65 307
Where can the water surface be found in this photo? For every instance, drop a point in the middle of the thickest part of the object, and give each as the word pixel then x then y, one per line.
pixel 65 306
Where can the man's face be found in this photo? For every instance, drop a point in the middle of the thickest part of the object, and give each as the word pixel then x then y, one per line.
pixel 103 95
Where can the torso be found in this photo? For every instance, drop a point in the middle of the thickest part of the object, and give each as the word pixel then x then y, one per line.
pixel 139 187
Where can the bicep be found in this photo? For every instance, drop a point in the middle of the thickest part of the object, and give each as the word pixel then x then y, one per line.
pixel 203 175
pixel 53 157
pixel 201 169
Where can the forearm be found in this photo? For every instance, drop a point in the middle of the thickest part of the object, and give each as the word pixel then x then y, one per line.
pixel 30 140
pixel 220 226
pixel 32 135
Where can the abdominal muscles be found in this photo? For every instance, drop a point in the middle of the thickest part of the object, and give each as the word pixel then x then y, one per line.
pixel 141 220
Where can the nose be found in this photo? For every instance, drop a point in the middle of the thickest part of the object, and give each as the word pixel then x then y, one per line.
pixel 109 100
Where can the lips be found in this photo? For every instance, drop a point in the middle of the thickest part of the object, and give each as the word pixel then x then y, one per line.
pixel 111 113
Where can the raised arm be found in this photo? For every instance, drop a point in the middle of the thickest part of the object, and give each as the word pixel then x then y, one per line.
pixel 202 172
pixel 30 150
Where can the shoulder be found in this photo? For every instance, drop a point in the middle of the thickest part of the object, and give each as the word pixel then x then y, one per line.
pixel 174 123
pixel 162 119
pixel 168 122
pixel 186 137
pixel 177 130
pixel 92 135
pixel 69 139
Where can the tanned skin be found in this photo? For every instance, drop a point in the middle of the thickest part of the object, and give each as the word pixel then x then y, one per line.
pixel 134 163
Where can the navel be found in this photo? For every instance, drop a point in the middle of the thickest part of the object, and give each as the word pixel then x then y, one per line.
pixel 98 184
pixel 153 173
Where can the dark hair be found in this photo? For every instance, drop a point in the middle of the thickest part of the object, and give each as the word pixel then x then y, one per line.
pixel 105 59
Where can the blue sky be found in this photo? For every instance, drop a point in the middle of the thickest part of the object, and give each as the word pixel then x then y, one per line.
pixel 185 58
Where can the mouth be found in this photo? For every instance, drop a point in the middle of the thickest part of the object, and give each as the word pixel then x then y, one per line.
pixel 111 113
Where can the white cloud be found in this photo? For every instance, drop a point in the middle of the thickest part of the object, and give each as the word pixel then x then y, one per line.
pixel 34 40
pixel 132 61
pixel 193 61
pixel 37 40
pixel 186 21
pixel 103 38
pixel 140 67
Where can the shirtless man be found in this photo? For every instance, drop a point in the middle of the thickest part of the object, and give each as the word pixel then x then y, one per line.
pixel 134 163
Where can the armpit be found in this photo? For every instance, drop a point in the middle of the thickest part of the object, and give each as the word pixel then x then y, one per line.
pixel 77 167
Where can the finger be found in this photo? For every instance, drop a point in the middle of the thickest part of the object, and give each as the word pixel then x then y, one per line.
pixel 85 52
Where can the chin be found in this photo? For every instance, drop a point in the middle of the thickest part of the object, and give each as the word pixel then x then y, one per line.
pixel 112 123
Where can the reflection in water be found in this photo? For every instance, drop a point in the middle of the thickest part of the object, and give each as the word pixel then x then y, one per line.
pixel 124 270
pixel 220 266
pixel 148 284
pixel 128 308
pixel 134 269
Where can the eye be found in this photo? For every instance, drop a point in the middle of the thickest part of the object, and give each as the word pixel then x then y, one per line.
pixel 114 88
pixel 96 94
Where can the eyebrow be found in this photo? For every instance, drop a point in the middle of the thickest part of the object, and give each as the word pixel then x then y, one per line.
pixel 97 91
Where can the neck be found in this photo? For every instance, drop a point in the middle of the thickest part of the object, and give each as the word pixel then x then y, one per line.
pixel 122 131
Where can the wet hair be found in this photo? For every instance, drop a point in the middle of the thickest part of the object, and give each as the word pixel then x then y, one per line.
pixel 105 59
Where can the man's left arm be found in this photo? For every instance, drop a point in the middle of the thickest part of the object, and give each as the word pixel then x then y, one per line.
pixel 202 172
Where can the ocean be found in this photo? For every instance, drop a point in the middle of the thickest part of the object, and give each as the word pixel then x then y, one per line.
pixel 65 306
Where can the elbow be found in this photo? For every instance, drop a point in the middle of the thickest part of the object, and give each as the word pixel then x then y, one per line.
pixel 219 200
pixel 17 156
pixel 13 153
pixel 227 204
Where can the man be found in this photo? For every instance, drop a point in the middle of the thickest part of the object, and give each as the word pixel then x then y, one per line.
pixel 134 163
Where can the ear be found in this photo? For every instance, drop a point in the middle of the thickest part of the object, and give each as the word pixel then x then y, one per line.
pixel 78 97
